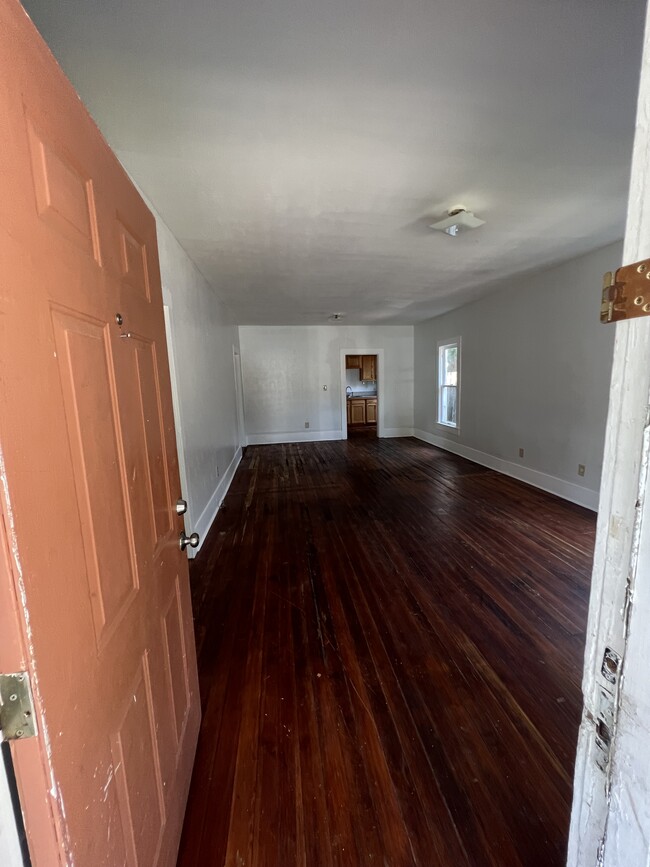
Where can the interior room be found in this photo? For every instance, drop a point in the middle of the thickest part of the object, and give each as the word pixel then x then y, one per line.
pixel 323 433
pixel 361 395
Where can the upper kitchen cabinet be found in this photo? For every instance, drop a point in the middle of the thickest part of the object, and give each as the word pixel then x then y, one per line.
pixel 368 367
pixel 353 362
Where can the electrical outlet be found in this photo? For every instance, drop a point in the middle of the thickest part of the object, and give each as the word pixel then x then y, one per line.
pixel 521 453
pixel 581 469
pixel 306 424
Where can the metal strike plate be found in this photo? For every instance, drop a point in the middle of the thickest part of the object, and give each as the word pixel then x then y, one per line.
pixel 611 665
pixel 604 723
pixel 626 293
pixel 17 720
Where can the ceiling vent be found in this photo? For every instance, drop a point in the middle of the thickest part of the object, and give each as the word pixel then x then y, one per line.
pixel 458 220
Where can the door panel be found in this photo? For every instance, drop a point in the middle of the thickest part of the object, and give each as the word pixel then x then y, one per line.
pixel 92 419
pixel 101 612
pixel 154 437
pixel 64 194
pixel 133 261
pixel 135 751
pixel 357 412
pixel 176 666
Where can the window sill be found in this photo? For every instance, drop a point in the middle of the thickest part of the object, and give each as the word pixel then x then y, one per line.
pixel 450 428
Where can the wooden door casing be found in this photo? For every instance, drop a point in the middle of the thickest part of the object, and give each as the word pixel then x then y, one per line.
pixel 98 590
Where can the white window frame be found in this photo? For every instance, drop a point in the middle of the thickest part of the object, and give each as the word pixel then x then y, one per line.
pixel 441 346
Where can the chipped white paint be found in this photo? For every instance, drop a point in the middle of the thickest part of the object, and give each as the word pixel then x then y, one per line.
pixel 299 150
pixel 611 811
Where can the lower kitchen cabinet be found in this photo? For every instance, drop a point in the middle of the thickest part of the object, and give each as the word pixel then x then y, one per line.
pixel 362 410
pixel 357 411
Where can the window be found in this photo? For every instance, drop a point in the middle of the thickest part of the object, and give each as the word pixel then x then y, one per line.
pixel 449 383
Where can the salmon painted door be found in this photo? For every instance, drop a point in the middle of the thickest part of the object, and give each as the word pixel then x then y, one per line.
pixel 94 593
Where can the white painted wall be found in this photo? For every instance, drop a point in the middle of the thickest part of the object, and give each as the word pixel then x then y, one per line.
pixel 202 338
pixel 535 373
pixel 286 367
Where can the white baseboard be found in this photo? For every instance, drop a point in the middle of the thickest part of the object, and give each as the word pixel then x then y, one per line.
pixel 567 490
pixel 397 432
pixel 208 515
pixel 315 436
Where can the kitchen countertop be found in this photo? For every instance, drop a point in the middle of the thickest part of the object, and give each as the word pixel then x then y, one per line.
pixel 362 397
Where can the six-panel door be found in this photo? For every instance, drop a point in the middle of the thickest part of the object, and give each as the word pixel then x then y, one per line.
pixel 90 465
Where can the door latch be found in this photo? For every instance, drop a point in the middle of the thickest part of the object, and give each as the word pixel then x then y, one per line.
pixel 17 719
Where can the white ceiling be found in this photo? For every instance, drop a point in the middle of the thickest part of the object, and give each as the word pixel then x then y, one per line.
pixel 299 148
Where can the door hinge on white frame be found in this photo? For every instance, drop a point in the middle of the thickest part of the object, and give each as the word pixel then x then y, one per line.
pixel 626 292
pixel 17 719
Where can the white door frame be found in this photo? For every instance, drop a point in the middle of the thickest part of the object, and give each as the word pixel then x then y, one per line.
pixel 610 822
pixel 380 389
pixel 239 397
pixel 178 423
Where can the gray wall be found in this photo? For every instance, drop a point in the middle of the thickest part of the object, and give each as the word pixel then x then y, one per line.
pixel 285 369
pixel 535 371
pixel 205 408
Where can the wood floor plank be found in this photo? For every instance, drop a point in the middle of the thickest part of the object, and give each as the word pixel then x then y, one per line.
pixel 390 650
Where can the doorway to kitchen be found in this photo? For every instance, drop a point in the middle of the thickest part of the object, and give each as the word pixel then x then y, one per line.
pixel 361 395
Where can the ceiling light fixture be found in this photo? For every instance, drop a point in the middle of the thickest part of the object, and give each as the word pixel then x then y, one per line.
pixel 459 220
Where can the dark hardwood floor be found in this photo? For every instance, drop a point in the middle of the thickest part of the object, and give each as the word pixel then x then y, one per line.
pixel 390 652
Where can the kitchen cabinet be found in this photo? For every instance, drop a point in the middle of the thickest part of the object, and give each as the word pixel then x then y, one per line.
pixel 362 410
pixel 368 368
pixel 353 362
pixel 357 411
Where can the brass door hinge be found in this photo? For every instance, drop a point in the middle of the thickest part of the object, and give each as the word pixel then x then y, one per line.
pixel 17 720
pixel 626 293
